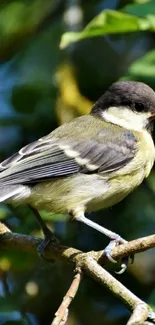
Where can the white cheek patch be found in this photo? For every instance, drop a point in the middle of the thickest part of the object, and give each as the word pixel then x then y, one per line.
pixel 126 118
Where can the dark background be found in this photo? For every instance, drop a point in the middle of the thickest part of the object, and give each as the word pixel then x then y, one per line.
pixel 41 87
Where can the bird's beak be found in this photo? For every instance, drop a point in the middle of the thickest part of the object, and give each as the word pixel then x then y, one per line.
pixel 152 117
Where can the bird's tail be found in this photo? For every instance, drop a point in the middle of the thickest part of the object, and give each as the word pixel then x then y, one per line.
pixel 13 192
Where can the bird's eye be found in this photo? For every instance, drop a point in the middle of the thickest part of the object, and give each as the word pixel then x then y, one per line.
pixel 139 107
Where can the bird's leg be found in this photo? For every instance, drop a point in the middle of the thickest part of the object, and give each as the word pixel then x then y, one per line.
pixel 48 234
pixel 115 238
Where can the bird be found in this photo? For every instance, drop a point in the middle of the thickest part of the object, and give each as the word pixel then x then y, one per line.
pixel 89 163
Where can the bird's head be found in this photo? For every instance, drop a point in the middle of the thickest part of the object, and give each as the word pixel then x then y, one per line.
pixel 129 104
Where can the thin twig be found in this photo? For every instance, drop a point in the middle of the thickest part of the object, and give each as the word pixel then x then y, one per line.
pixel 62 313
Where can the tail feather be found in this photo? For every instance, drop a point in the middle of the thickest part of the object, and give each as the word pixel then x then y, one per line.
pixel 14 192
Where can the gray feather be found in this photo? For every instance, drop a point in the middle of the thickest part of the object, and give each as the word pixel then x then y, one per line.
pixel 56 156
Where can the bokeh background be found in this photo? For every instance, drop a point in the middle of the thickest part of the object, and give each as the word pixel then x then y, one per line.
pixel 41 87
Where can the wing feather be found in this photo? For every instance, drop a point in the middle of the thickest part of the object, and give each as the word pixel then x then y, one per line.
pixel 56 157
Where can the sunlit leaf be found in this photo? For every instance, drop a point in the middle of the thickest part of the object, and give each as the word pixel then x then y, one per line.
pixel 145 66
pixel 110 22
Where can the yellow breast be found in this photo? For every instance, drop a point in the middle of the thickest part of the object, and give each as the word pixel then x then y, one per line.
pixel 126 179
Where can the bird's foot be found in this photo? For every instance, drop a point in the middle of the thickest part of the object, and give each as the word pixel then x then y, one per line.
pixel 48 235
pixel 49 238
pixel 115 238
pixel 125 260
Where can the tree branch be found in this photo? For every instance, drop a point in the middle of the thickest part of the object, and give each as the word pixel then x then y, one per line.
pixel 139 315
pixel 89 264
pixel 62 313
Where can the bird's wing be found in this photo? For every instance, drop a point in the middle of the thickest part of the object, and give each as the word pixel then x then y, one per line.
pixel 54 156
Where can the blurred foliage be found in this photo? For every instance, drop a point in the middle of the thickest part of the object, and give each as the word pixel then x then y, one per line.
pixel 20 19
pixel 70 103
pixel 110 22
pixel 42 86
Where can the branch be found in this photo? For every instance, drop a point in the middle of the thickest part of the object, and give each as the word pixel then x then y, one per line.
pixel 62 313
pixel 139 315
pixel 89 264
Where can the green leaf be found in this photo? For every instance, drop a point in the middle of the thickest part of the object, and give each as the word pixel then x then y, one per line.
pixel 140 9
pixel 110 22
pixel 145 66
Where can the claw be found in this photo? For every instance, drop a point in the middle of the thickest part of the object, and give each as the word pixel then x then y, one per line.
pixel 125 260
pixel 124 265
pixel 111 245
pixel 123 268
pixel 110 258
pixel 108 251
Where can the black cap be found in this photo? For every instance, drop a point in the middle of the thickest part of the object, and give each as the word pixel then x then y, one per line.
pixel 135 95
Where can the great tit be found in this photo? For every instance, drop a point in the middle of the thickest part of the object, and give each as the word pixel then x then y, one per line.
pixel 89 163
